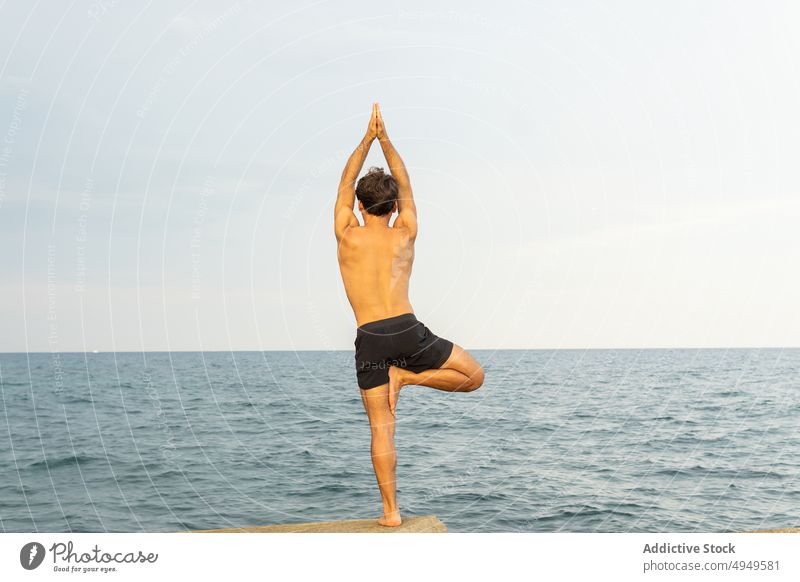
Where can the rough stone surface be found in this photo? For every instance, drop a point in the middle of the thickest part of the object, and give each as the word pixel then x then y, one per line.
pixel 422 524
pixel 782 530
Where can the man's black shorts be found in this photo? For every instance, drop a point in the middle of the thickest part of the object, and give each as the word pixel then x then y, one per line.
pixel 400 341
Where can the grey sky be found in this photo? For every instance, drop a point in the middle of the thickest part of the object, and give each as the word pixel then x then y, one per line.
pixel 616 174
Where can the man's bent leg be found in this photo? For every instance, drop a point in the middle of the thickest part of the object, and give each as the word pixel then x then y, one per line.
pixel 384 456
pixel 460 373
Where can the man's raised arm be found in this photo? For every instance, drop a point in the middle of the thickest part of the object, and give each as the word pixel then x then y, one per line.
pixel 407 210
pixel 343 215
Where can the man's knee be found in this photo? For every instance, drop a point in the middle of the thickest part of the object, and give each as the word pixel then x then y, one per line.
pixel 382 431
pixel 476 379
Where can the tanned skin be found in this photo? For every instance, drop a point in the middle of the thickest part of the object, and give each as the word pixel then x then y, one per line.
pixel 375 260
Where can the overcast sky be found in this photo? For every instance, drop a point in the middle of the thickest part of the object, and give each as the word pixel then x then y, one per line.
pixel 611 174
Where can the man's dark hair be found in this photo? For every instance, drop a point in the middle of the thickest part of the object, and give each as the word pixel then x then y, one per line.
pixel 377 192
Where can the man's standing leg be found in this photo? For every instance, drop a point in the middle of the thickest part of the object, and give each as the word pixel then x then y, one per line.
pixel 384 456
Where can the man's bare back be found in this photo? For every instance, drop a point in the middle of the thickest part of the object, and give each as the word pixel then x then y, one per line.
pixel 375 261
pixel 393 348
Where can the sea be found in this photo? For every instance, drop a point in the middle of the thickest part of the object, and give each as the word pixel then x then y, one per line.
pixel 651 440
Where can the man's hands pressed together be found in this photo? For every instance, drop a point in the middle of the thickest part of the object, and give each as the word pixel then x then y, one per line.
pixel 380 129
pixel 376 129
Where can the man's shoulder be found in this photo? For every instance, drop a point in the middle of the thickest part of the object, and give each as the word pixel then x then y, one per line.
pixel 352 234
pixel 355 229
pixel 401 232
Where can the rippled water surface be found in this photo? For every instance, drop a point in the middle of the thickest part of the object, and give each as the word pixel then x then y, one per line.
pixel 600 440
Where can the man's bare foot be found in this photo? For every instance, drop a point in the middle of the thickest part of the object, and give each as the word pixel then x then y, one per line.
pixel 391 519
pixel 395 383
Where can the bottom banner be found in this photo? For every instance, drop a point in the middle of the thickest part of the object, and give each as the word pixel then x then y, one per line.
pixel 124 556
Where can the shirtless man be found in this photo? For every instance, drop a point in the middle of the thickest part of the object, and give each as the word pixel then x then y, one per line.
pixel 393 348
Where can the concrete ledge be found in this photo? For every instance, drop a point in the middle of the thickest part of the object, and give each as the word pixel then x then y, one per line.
pixel 422 524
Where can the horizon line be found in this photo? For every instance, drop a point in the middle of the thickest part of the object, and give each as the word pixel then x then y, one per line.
pixel 350 350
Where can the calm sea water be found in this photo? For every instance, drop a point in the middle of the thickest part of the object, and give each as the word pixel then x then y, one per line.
pixel 599 440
